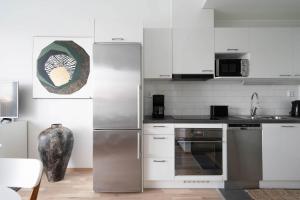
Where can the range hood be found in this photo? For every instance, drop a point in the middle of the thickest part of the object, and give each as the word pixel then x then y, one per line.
pixel 192 77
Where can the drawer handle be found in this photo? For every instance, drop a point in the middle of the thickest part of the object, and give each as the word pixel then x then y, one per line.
pixel 159 126
pixel 207 70
pixel 232 49
pixel 285 75
pixel 159 138
pixel 118 38
pixel 297 75
pixel 288 126
pixel 159 161
pixel 164 75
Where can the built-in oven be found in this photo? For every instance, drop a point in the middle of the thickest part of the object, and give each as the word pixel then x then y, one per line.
pixel 232 67
pixel 198 151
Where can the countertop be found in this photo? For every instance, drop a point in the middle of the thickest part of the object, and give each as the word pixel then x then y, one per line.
pixel 226 120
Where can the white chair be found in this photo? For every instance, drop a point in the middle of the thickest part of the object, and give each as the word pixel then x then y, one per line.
pixel 21 173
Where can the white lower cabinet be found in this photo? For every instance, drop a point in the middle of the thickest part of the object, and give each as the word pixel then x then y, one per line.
pixel 159 145
pixel 158 168
pixel 280 149
pixel 159 152
pixel 13 140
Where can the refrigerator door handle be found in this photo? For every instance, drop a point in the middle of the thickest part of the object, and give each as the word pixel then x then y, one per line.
pixel 138 145
pixel 139 106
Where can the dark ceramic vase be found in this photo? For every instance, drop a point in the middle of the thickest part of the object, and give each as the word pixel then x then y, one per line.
pixel 55 148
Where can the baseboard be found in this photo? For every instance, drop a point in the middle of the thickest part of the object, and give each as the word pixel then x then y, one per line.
pixel 183 184
pixel 81 170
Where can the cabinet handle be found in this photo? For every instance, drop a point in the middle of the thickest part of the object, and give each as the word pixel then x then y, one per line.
pixel 232 49
pixel 290 126
pixel 159 126
pixel 159 161
pixel 164 75
pixel 284 75
pixel 207 70
pixel 159 138
pixel 118 38
pixel 297 75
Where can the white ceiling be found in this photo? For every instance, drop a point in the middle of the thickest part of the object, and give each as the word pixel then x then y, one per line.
pixel 254 9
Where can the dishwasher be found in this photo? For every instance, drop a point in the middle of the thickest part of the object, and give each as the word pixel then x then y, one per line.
pixel 244 156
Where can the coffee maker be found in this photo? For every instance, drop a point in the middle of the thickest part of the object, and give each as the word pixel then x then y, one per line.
pixel 158 106
pixel 295 112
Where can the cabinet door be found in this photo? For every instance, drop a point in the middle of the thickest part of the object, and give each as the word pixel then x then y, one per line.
pixel 159 146
pixel 271 52
pixel 193 51
pixel 159 169
pixel 119 21
pixel 157 53
pixel 231 40
pixel 280 148
pixel 296 52
pixel 157 14
pixel 13 140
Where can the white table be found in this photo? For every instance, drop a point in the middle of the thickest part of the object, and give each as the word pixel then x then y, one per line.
pixel 8 194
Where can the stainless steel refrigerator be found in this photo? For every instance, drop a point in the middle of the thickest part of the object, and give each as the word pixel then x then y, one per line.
pixel 117 117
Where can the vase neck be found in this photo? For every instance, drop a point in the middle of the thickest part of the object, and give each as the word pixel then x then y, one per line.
pixel 56 125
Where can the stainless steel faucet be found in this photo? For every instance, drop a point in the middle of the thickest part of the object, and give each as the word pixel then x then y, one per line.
pixel 254 104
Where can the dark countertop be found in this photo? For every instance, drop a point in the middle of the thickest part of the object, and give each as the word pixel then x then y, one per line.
pixel 227 120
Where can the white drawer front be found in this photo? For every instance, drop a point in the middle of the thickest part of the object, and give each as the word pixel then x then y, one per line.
pixel 158 169
pixel 166 129
pixel 159 146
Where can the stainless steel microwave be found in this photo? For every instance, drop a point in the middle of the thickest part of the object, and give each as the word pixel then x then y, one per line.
pixel 232 67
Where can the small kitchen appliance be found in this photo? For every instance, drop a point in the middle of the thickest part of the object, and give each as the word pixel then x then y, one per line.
pixel 218 111
pixel 158 106
pixel 232 67
pixel 295 112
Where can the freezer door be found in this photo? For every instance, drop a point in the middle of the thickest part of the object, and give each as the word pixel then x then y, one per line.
pixel 117 161
pixel 117 86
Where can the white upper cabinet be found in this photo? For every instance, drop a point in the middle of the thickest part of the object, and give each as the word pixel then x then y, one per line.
pixel 231 40
pixel 119 21
pixel 193 38
pixel 296 52
pixel 157 14
pixel 280 151
pixel 158 53
pixel 270 52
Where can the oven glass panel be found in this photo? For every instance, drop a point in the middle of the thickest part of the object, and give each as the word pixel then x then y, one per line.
pixel 198 151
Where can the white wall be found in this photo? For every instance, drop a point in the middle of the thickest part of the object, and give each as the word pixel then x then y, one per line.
pixel 19 21
pixel 195 97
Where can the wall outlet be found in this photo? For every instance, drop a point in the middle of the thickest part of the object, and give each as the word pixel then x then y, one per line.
pixel 290 93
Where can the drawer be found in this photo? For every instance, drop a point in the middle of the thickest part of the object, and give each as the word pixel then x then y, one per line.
pixel 159 145
pixel 165 129
pixel 159 169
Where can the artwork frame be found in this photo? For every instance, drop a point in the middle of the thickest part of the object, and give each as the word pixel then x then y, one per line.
pixel 62 67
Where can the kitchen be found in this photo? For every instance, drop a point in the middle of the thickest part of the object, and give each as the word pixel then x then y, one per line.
pixel 205 114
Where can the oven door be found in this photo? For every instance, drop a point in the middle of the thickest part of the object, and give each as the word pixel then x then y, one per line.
pixel 228 67
pixel 198 151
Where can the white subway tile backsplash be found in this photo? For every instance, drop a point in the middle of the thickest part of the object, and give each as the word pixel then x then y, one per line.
pixel 194 98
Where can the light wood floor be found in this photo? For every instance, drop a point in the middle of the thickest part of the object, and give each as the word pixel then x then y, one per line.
pixel 78 185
